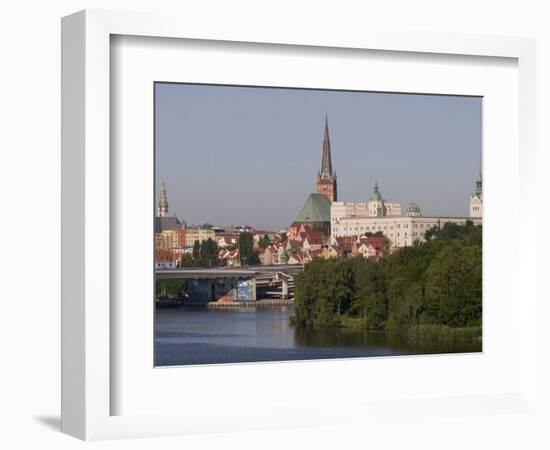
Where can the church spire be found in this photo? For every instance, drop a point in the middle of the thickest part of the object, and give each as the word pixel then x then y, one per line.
pixel 326 163
pixel 326 178
pixel 162 210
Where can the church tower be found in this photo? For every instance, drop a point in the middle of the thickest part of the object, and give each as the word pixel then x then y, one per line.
pixel 476 199
pixel 326 178
pixel 162 210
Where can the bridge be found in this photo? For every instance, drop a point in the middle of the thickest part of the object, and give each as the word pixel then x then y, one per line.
pixel 235 284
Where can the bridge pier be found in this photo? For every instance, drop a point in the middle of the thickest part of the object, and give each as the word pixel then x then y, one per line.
pixel 284 289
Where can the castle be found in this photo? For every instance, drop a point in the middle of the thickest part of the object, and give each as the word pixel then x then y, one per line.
pixel 322 211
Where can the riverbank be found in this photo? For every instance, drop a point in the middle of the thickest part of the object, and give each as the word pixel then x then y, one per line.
pixel 431 332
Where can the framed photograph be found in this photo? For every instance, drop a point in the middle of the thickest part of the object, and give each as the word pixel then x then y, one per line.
pixel 262 269
pixel 291 221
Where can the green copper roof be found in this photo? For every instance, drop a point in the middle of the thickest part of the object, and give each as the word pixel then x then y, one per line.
pixel 413 207
pixel 376 195
pixel 316 209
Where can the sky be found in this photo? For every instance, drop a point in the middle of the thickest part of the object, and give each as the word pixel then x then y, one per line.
pixel 232 155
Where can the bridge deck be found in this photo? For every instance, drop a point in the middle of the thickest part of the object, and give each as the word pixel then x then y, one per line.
pixel 230 272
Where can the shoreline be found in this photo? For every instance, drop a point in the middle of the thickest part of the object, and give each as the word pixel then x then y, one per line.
pixel 431 332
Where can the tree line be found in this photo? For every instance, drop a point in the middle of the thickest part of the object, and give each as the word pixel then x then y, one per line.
pixel 205 253
pixel 437 282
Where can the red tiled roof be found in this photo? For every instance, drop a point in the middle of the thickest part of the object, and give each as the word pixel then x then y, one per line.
pixel 345 242
pixel 164 255
pixel 315 237
pixel 376 242
pixel 296 244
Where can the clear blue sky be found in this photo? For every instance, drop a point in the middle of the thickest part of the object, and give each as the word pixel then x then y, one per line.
pixel 244 155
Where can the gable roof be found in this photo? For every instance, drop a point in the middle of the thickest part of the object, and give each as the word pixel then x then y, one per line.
pixel 315 209
pixel 167 223
pixel 376 242
pixel 315 237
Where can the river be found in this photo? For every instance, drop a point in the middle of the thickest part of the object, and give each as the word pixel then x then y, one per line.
pixel 212 336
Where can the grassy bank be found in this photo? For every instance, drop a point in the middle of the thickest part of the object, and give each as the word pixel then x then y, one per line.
pixel 422 332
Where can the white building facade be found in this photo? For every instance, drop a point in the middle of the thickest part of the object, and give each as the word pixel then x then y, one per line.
pixel 476 200
pixel 377 215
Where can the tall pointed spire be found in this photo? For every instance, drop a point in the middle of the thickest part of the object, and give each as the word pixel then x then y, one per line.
pixel 326 178
pixel 326 163
pixel 163 201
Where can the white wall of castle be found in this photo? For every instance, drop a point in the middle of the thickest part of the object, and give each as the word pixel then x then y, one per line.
pixel 402 231
pixel 364 209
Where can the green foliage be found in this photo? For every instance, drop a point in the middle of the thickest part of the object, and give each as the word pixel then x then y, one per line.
pixel 375 234
pixel 247 253
pixel 325 291
pixel 264 241
pixel 437 283
pixel 453 286
pixel 186 260
pixel 209 252
pixel 467 233
pixel 170 288
pixel 205 254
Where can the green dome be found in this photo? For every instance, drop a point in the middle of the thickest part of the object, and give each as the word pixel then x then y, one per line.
pixel 316 209
pixel 413 207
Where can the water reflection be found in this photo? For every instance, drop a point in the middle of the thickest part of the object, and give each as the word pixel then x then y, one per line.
pixel 203 336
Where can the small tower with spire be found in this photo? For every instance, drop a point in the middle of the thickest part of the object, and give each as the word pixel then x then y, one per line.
pixel 376 205
pixel 326 178
pixel 162 210
pixel 476 199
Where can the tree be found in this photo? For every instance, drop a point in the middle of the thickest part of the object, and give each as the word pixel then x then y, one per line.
pixel 209 252
pixel 186 260
pixel 247 253
pixel 170 288
pixel 453 288
pixel 438 282
pixel 264 241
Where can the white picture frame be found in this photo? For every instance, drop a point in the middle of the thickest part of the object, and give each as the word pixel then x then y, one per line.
pixel 88 386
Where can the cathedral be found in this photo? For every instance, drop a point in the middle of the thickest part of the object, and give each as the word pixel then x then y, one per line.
pixel 315 214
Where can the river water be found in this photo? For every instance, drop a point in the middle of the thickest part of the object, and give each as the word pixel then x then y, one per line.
pixel 213 336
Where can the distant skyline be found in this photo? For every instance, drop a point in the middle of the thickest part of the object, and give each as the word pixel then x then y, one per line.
pixel 245 155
